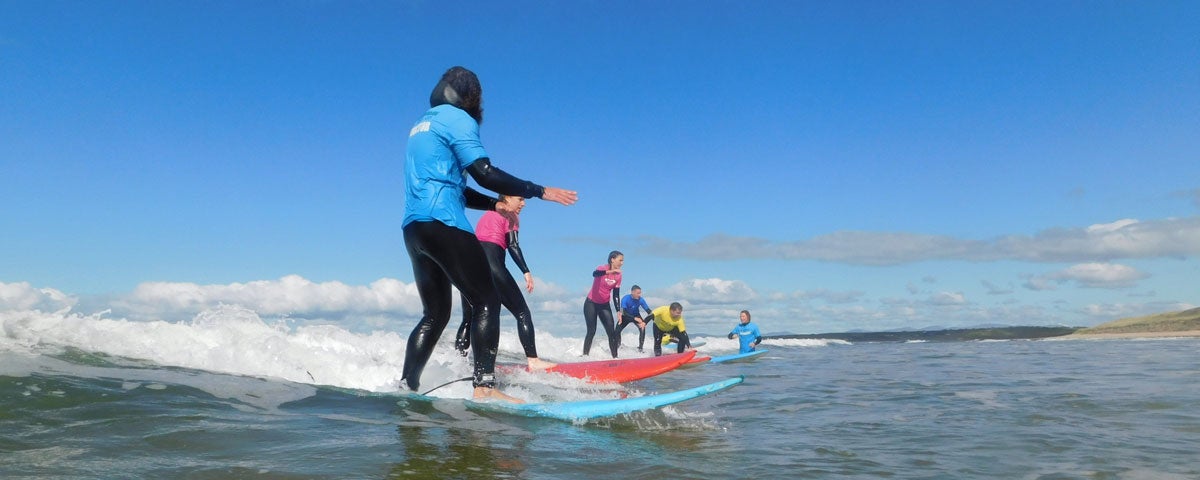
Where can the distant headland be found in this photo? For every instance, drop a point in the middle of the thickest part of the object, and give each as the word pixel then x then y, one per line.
pixel 1184 323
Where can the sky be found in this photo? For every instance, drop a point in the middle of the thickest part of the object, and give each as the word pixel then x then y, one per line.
pixel 829 166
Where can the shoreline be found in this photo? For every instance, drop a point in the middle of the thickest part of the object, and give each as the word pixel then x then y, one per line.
pixel 1087 336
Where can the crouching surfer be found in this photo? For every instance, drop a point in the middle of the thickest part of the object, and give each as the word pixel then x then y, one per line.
pixel 668 320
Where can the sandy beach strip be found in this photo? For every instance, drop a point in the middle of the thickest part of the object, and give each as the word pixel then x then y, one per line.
pixel 1084 336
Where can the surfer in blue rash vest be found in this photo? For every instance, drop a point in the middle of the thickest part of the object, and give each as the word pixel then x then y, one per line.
pixel 443 148
pixel 746 333
pixel 631 310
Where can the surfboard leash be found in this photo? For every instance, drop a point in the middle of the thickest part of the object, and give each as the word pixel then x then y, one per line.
pixel 448 383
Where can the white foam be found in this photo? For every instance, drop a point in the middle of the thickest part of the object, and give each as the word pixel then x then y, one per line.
pixel 236 340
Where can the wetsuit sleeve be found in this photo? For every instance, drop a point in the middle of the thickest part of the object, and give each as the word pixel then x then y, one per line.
pixel 645 306
pixel 598 273
pixel 499 181
pixel 616 293
pixel 478 201
pixel 514 251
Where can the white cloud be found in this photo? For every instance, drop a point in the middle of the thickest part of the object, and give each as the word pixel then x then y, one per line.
pixel 710 291
pixel 1125 238
pixel 993 289
pixel 288 296
pixel 948 299
pixel 1098 275
pixel 1038 283
pixel 23 296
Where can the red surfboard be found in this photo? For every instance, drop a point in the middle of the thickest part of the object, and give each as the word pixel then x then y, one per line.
pixel 615 370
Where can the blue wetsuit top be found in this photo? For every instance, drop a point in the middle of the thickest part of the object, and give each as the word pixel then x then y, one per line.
pixel 629 306
pixel 748 336
pixel 442 144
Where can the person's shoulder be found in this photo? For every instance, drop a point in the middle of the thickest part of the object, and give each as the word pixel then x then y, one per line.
pixel 452 116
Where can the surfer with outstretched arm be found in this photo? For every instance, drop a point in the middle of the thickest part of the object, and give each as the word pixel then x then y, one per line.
pixel 443 148
pixel 606 283
pixel 746 333
pixel 497 231
pixel 668 320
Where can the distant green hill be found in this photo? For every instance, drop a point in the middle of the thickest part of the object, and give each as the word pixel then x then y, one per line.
pixel 957 335
pixel 1163 322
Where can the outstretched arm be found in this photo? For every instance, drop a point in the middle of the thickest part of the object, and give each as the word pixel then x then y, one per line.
pixel 499 181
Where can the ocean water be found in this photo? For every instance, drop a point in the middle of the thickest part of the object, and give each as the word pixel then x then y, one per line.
pixel 229 395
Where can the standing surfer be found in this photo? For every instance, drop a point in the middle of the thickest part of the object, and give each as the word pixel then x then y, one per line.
pixel 443 148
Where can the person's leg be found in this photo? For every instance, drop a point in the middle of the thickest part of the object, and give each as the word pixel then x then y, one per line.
pixel 683 342
pixel 606 319
pixel 463 262
pixel 624 322
pixel 658 337
pixel 434 289
pixel 514 301
pixel 462 340
pixel 589 318
pixel 641 338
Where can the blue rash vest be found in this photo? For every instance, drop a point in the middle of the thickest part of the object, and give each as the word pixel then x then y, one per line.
pixel 630 307
pixel 441 145
pixel 747 334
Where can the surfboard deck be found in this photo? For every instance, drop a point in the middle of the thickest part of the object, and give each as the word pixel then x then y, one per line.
pixel 695 344
pixel 591 409
pixel 736 357
pixel 570 410
pixel 617 370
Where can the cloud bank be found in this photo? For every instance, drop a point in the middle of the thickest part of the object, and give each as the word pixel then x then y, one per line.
pixel 1123 239
pixel 288 296
pixel 23 296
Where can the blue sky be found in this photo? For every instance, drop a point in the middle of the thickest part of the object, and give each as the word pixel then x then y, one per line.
pixel 830 166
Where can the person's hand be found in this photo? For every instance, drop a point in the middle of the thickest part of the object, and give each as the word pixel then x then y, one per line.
pixel 529 282
pixel 641 323
pixel 558 195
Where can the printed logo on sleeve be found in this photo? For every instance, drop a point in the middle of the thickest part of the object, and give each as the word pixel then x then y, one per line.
pixel 418 128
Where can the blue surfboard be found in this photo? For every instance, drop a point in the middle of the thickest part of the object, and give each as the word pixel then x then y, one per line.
pixel 736 356
pixel 589 409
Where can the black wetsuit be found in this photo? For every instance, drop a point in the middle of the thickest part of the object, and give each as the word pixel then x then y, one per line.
pixel 510 296
pixel 593 311
pixel 680 336
pixel 443 255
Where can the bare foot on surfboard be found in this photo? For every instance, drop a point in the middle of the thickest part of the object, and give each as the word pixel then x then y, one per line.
pixel 539 364
pixel 485 393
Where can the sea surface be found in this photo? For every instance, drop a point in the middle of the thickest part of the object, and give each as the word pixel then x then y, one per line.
pixel 229 395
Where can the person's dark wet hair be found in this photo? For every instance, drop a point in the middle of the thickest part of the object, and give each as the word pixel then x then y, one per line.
pixel 613 256
pixel 459 87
